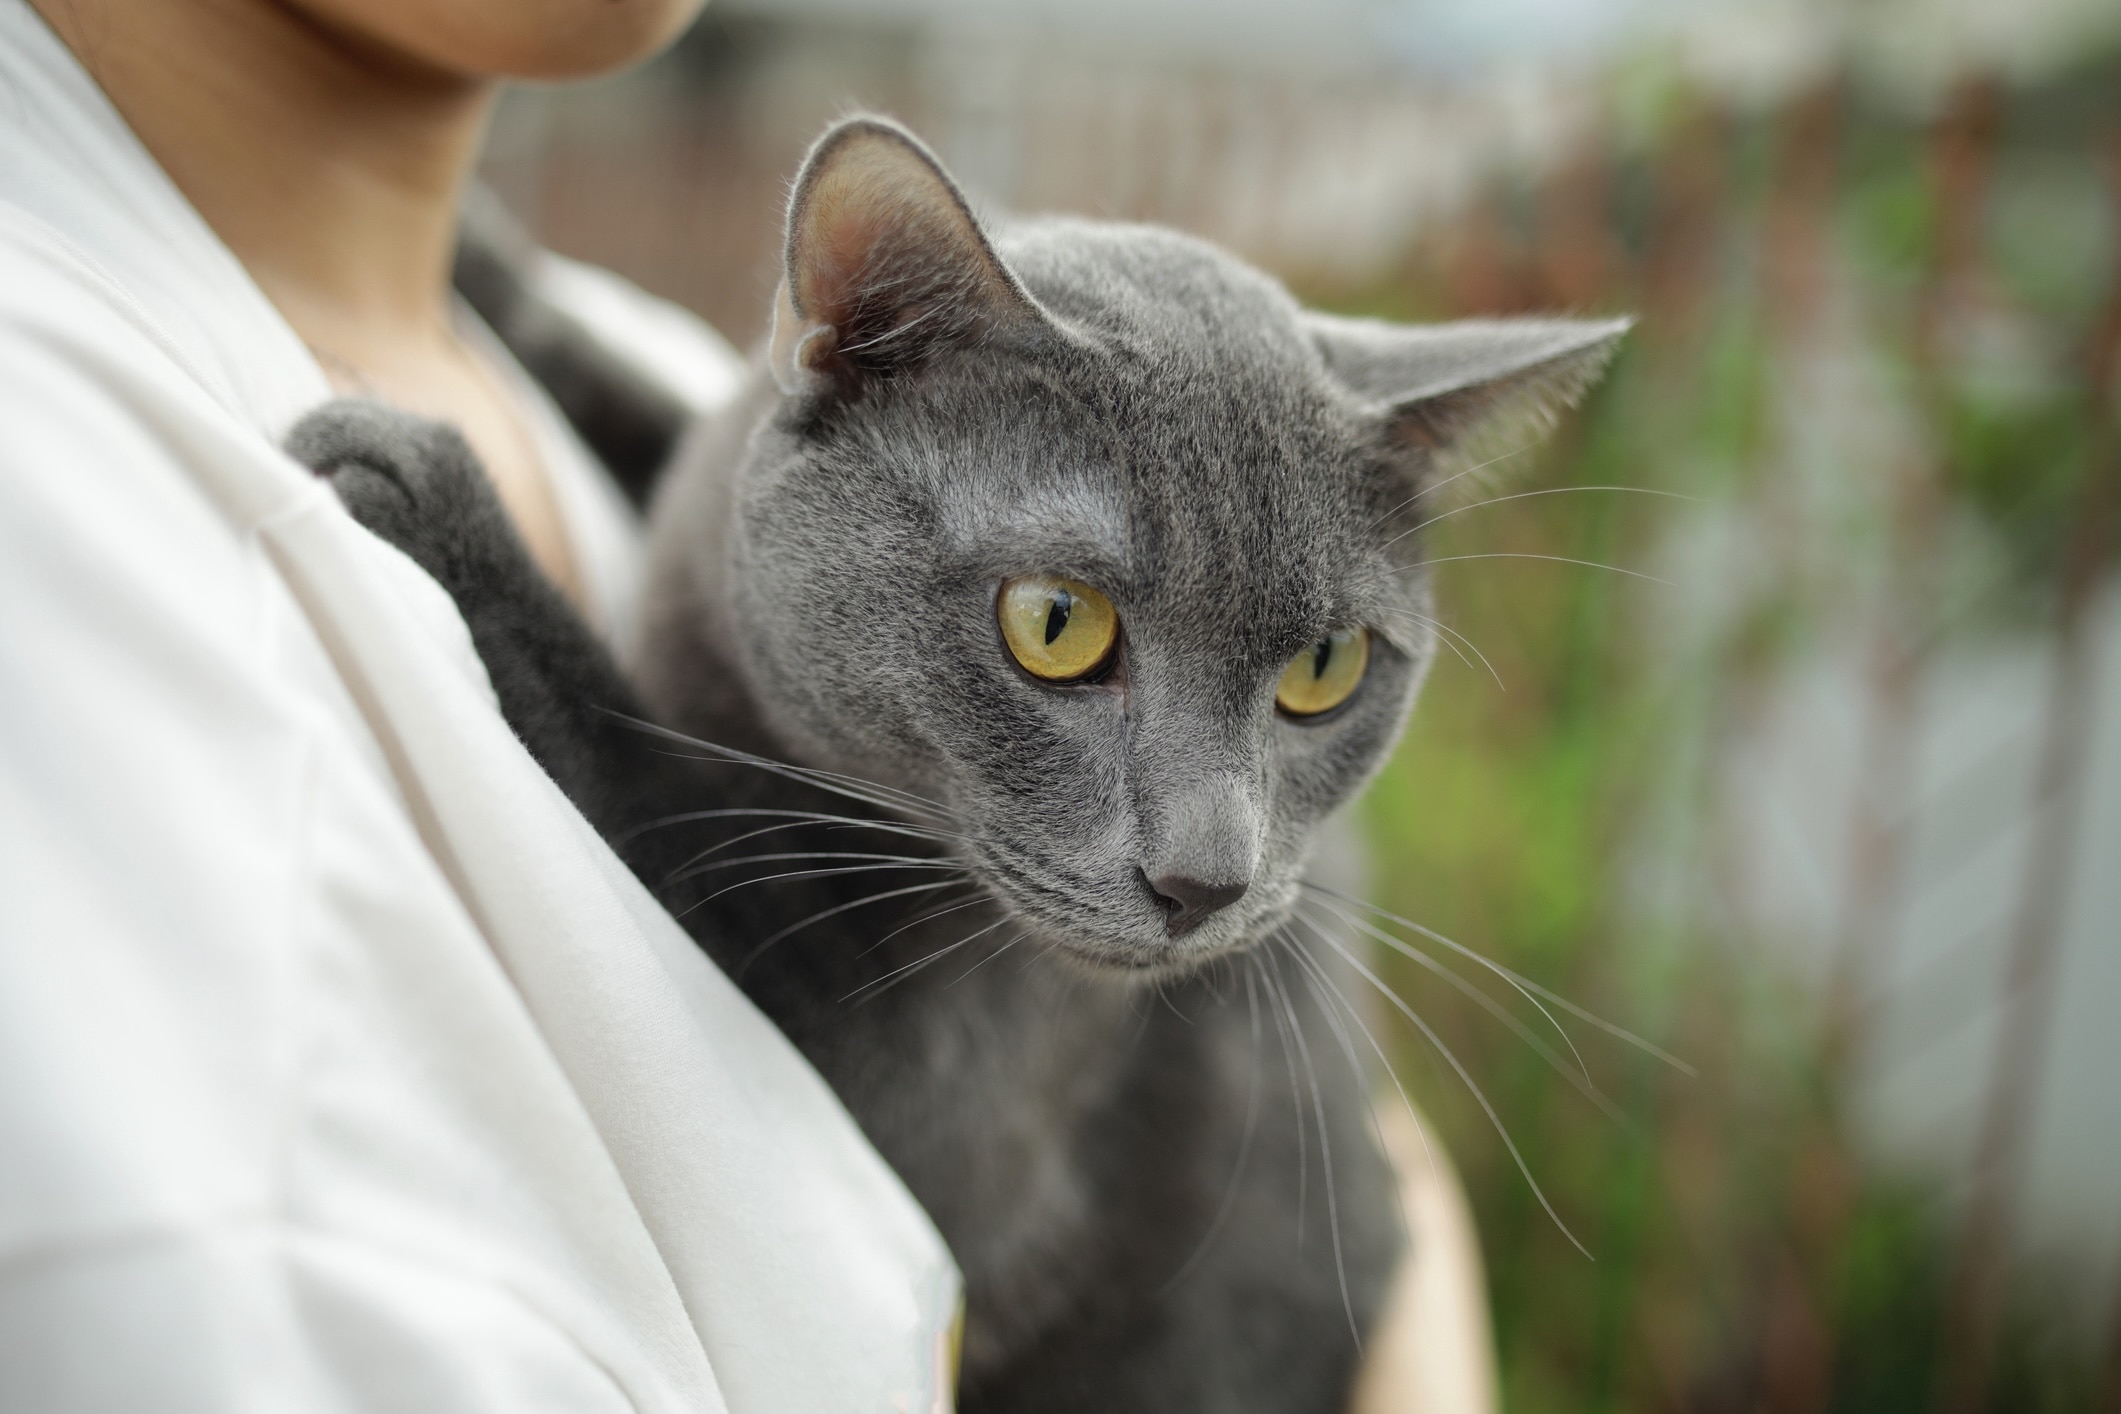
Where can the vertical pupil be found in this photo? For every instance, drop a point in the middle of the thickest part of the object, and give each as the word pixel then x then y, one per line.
pixel 1057 616
pixel 1320 656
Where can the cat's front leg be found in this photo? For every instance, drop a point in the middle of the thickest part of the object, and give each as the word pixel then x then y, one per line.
pixel 417 484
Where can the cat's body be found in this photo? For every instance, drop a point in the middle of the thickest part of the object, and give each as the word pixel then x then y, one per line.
pixel 1074 1134
pixel 1110 1064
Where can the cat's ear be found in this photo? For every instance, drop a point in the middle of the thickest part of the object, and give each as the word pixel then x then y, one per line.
pixel 1450 392
pixel 885 264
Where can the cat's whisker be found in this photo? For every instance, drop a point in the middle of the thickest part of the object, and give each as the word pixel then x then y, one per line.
pixel 877 986
pixel 1288 1055
pixel 1428 1033
pixel 802 776
pixel 1169 1005
pixel 1527 495
pixel 1408 950
pixel 1300 1054
pixel 1331 1003
pixel 1244 1152
pixel 794 819
pixel 1525 985
pixel 1355 1014
pixel 909 861
pixel 978 896
pixel 1579 1077
pixel 1042 955
pixel 1433 487
pixel 810 874
pixel 685 868
pixel 1325 1155
pixel 1451 633
pixel 1522 555
pixel 853 787
pixel 988 958
pixel 839 908
pixel 1313 974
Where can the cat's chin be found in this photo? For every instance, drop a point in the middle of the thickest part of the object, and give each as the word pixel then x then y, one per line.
pixel 1151 957
pixel 1128 967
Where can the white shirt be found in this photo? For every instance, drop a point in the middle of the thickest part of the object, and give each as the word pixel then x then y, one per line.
pixel 342 1066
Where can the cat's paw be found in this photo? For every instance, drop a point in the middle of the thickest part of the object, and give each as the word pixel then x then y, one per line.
pixel 412 481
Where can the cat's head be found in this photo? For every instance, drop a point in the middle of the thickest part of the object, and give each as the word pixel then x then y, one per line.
pixel 1090 534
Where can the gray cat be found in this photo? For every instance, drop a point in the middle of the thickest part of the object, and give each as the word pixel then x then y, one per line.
pixel 1049 587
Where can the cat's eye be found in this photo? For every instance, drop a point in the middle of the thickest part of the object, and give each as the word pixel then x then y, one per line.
pixel 1325 674
pixel 1060 629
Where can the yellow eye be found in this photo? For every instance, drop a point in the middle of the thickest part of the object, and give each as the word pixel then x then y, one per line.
pixel 1059 629
pixel 1325 674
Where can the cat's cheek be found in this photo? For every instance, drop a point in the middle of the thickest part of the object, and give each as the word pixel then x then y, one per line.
pixel 1321 766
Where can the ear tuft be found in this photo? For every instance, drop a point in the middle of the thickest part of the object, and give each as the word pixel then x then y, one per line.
pixel 885 264
pixel 1454 393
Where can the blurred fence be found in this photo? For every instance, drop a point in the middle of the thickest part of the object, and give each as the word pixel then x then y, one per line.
pixel 1818 786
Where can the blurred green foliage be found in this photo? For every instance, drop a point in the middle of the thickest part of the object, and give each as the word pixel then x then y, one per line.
pixel 1553 803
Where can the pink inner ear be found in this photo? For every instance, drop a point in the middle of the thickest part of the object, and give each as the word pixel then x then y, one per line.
pixel 844 230
pixel 886 256
pixel 876 205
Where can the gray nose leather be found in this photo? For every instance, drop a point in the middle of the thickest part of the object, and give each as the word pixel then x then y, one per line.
pixel 1190 900
pixel 1202 854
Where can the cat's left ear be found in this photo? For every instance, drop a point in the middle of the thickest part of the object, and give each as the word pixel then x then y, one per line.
pixel 1451 390
pixel 885 265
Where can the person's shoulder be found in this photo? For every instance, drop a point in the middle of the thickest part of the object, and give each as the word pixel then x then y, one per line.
pixel 61 314
pixel 117 443
pixel 84 362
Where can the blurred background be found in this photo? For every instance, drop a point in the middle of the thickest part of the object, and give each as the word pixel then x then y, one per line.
pixel 1808 772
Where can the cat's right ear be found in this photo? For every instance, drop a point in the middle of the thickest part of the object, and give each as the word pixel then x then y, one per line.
pixel 885 265
pixel 1454 393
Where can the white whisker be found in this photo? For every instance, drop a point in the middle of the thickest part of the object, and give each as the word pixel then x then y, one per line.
pixel 1521 555
pixel 1428 1033
pixel 679 871
pixel 1440 626
pixel 1524 984
pixel 1527 495
pixel 793 817
pixel 1325 1158
pixel 898 974
pixel 1433 487
pixel 802 874
pixel 823 914
pixel 1288 1055
pixel 979 896
pixel 987 959
pixel 853 787
pixel 1414 1115
pixel 1579 1077
pixel 909 861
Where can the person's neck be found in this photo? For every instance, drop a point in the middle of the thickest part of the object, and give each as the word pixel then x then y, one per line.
pixel 331 170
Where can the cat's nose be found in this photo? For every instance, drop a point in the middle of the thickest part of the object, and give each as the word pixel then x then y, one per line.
pixel 1188 901
pixel 1201 845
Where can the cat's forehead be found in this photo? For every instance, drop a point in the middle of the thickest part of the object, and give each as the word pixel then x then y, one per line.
pixel 1233 511
pixel 1156 291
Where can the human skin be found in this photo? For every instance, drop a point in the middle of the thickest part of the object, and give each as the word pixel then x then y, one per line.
pixel 328 142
